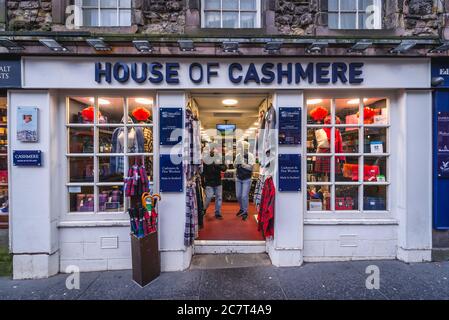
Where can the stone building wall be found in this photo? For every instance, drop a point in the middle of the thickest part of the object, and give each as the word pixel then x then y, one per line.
pixel 291 17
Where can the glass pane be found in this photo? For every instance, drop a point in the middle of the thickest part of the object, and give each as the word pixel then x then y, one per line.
pixel 318 110
pixel 364 22
pixel 90 3
pixel 212 4
pixel 375 169
pixel 375 198
pixel 140 140
pixel 147 162
pixel 110 199
pixel 364 4
pixel 81 169
pixel 347 169
pixel 108 3
pixel 111 110
pixel 318 198
pixel 318 169
pixel 375 111
pixel 346 198
pixel 248 5
pixel 375 140
pixel 348 21
pixel 107 142
pixel 230 4
pixel 3 139
pixel 4 206
pixel 212 19
pixel 318 140
pixel 230 19
pixel 348 5
pixel 81 110
pixel 90 17
pixel 140 109
pixel 125 3
pixel 247 20
pixel 3 168
pixel 333 20
pixel 81 140
pixel 347 140
pixel 81 199
pixel 108 17
pixel 111 169
pixel 347 111
pixel 125 18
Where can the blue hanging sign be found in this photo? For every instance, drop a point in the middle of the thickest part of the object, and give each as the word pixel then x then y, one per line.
pixel 289 172
pixel 27 158
pixel 10 73
pixel 290 126
pixel 170 126
pixel 170 173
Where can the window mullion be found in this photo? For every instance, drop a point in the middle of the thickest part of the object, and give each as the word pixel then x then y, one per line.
pixel 96 159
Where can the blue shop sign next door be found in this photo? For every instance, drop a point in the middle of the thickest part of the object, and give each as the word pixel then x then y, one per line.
pixel 10 73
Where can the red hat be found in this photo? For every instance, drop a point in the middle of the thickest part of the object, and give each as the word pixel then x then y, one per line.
pixel 319 113
pixel 88 114
pixel 141 114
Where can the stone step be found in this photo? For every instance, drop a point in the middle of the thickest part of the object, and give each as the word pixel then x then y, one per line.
pixel 228 261
pixel 440 254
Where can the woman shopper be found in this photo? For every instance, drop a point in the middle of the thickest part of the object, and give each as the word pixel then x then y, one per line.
pixel 244 162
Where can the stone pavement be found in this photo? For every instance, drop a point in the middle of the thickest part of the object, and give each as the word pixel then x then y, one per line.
pixel 332 280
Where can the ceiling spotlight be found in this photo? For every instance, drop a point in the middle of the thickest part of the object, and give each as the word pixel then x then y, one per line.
pixel 442 48
pixel 404 46
pixel 10 45
pixel 146 101
pixel 230 102
pixel 186 45
pixel 143 46
pixel 317 47
pixel 231 46
pixel 98 44
pixel 314 101
pixel 53 45
pixel 273 46
pixel 101 101
pixel 360 46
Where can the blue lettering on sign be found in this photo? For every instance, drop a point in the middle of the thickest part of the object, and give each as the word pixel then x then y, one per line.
pixel 267 73
pixel 10 73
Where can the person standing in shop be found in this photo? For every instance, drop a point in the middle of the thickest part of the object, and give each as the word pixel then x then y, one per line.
pixel 212 168
pixel 244 163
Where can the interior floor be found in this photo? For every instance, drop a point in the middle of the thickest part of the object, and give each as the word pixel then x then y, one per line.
pixel 231 227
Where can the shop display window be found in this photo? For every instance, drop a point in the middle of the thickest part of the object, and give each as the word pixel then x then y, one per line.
pixel 106 135
pixel 347 154
pixel 4 208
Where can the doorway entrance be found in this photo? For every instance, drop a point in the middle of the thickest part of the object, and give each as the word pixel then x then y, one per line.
pixel 230 123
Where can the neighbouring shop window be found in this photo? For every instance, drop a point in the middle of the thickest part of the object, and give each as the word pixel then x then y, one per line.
pixel 104 13
pixel 347 154
pixel 4 208
pixel 230 13
pixel 355 14
pixel 106 136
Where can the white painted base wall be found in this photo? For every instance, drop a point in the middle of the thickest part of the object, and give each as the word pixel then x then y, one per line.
pixel 35 266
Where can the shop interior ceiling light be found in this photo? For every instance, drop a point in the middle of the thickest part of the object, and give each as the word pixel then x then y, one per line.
pixel 230 102
pixel 356 101
pixel 146 101
pixel 314 101
pixel 143 46
pixel 10 45
pixel 442 48
pixel 360 46
pixel 230 46
pixel 53 45
pixel 273 46
pixel 100 101
pixel 317 47
pixel 186 45
pixel 404 46
pixel 98 44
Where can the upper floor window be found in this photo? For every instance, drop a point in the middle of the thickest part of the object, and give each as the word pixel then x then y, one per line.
pixel 104 13
pixel 355 14
pixel 230 14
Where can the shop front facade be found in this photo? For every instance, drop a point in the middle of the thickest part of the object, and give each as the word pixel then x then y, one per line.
pixel 373 178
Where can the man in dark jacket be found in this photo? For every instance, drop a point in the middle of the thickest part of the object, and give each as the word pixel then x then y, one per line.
pixel 212 170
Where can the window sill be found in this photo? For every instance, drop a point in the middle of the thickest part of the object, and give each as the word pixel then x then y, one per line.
pixel 93 224
pixel 358 221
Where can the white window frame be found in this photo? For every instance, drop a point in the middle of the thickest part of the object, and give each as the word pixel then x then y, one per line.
pixel 97 214
pixel 377 16
pixel 79 9
pixel 360 213
pixel 257 23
